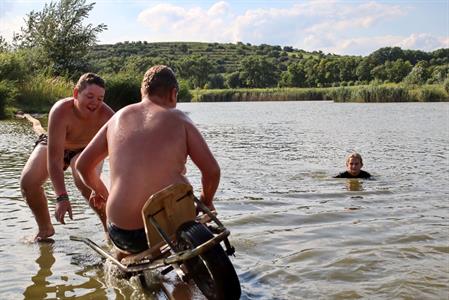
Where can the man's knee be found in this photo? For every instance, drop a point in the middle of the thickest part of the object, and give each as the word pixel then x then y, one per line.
pixel 26 184
pixel 30 187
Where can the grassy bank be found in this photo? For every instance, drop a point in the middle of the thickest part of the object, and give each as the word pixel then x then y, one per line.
pixel 39 94
pixel 365 93
pixel 269 94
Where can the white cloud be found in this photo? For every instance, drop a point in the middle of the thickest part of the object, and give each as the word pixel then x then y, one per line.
pixel 366 45
pixel 169 22
pixel 424 41
pixel 336 26
pixel 219 8
pixel 331 26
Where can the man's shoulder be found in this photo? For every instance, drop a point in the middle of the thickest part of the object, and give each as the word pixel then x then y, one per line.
pixel 63 103
pixel 364 174
pixel 344 174
pixel 61 108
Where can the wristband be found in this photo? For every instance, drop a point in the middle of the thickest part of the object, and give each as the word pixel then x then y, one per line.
pixel 62 197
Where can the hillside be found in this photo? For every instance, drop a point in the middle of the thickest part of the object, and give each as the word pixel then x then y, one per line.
pixel 226 56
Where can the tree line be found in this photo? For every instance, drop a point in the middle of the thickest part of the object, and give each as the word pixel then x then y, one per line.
pixel 56 46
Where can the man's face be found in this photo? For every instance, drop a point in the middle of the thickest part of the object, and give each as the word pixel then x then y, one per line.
pixel 353 166
pixel 90 99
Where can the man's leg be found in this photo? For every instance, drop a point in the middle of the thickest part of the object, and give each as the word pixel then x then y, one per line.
pixel 86 191
pixel 33 177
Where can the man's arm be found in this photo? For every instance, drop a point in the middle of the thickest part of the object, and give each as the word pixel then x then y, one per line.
pixel 203 158
pixel 57 130
pixel 95 152
pixel 55 149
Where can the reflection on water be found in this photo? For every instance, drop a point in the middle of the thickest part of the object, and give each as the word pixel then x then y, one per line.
pixel 40 288
pixel 298 232
pixel 354 185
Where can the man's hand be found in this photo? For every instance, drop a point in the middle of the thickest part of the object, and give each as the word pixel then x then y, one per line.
pixel 97 201
pixel 61 208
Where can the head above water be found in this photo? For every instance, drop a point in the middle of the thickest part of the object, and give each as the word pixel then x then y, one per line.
pixel 88 79
pixel 354 163
pixel 159 81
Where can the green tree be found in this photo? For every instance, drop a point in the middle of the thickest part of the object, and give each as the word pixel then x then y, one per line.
pixel 12 66
pixel 58 30
pixel 4 46
pixel 439 73
pixel 392 71
pixel 295 76
pixel 419 74
pixel 363 70
pixel 215 81
pixel 258 72
pixel 195 69
pixel 232 80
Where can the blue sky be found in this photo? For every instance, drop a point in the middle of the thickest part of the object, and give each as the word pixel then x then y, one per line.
pixel 351 27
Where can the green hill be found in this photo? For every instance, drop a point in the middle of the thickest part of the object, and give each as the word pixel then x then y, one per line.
pixel 226 56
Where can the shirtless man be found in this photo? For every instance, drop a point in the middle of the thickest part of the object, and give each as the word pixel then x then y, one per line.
pixel 72 123
pixel 148 144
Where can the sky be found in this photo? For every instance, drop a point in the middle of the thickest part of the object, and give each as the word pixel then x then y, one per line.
pixel 344 27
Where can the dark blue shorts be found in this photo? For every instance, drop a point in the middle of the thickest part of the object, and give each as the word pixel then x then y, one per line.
pixel 132 241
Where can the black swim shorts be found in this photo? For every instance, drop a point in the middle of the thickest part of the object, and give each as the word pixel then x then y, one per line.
pixel 68 154
pixel 132 241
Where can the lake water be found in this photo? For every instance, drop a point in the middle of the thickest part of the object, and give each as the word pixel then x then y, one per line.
pixel 298 233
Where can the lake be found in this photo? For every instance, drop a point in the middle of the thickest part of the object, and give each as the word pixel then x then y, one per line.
pixel 298 232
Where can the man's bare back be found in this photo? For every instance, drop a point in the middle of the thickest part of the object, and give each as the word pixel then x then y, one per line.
pixel 148 144
pixel 147 152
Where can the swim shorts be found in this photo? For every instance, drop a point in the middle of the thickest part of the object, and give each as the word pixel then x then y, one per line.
pixel 132 241
pixel 68 154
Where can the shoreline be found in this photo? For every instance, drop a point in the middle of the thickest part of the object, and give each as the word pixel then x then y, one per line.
pixel 383 93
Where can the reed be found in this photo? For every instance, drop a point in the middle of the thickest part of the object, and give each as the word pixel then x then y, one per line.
pixel 8 93
pixel 40 92
pixel 271 94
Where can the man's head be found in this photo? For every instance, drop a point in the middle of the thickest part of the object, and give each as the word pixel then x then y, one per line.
pixel 88 79
pixel 159 81
pixel 89 93
pixel 354 163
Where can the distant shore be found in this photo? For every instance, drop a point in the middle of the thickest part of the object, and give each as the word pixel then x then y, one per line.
pixel 361 93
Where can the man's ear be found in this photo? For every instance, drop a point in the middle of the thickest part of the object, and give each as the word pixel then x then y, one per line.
pixel 174 95
pixel 75 93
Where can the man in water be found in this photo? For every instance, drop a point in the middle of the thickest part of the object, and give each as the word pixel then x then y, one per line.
pixel 148 144
pixel 354 164
pixel 72 123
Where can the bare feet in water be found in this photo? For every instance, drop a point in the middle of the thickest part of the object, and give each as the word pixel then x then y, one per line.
pixel 44 235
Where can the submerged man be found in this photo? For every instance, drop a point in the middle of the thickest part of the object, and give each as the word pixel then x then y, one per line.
pixel 354 164
pixel 72 123
pixel 148 144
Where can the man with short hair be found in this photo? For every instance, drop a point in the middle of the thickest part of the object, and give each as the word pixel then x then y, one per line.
pixel 148 144
pixel 72 123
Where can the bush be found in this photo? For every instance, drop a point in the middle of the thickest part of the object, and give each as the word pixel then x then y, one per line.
pixel 184 94
pixel 446 85
pixel 122 89
pixel 12 66
pixel 8 93
pixel 40 92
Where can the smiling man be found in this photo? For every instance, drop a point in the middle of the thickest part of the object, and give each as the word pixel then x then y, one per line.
pixel 72 123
